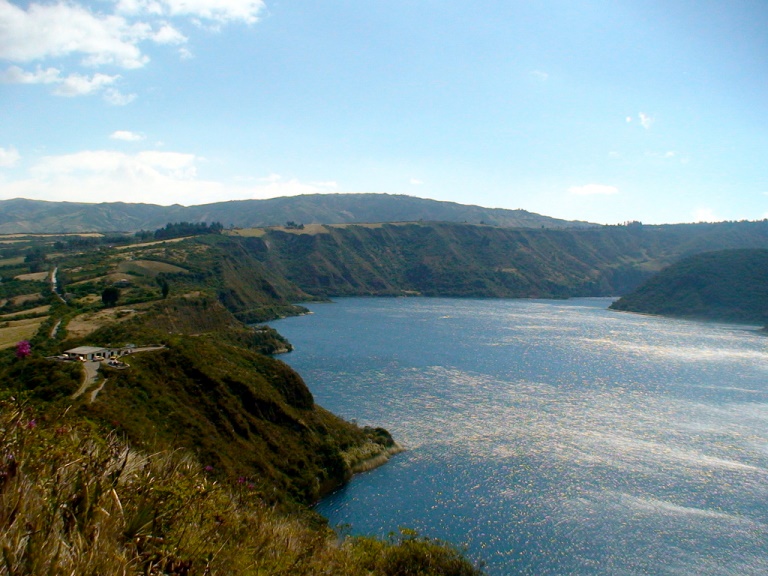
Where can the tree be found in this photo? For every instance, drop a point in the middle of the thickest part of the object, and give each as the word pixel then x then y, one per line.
pixel 110 296
pixel 36 260
pixel 164 287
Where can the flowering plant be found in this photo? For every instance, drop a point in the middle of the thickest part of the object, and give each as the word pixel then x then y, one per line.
pixel 23 349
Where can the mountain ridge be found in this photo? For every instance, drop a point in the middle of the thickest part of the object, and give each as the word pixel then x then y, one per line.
pixel 21 215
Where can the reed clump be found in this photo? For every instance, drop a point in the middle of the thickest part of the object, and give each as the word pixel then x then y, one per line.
pixel 74 501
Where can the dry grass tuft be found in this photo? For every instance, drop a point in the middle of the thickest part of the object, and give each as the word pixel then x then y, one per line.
pixel 72 502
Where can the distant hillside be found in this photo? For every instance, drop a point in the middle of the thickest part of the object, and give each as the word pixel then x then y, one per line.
pixel 35 216
pixel 444 259
pixel 728 285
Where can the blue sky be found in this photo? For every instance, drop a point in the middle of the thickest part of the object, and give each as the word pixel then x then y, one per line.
pixel 604 111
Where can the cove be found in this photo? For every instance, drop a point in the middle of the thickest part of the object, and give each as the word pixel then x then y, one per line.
pixel 550 437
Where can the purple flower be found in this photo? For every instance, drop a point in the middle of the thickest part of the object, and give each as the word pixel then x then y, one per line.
pixel 23 349
pixel 208 468
pixel 241 480
pixel 31 424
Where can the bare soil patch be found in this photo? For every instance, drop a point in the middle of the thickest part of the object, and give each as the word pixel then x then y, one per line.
pixel 84 324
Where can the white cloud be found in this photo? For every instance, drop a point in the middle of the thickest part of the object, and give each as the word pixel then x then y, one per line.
pixel 169 35
pixel 645 120
pixel 63 29
pixel 152 176
pixel 540 75
pixel 222 11
pixel 272 178
pixel 704 214
pixel 9 157
pixel 668 155
pixel 105 162
pixel 217 10
pixel 79 85
pixel 329 184
pixel 593 190
pixel 416 182
pixel 15 75
pixel 116 98
pixel 126 136
pixel 72 85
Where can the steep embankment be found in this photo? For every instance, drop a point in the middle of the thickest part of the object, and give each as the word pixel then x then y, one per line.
pixel 728 285
pixel 443 259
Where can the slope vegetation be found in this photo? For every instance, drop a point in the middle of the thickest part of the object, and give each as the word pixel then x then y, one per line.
pixel 444 259
pixel 728 285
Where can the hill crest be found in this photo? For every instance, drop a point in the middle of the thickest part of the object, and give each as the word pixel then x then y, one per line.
pixel 22 215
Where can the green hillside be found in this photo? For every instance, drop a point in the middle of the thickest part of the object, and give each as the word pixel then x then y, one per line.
pixel 727 285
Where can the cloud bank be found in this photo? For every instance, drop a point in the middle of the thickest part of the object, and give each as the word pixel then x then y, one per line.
pixel 64 32
pixel 150 176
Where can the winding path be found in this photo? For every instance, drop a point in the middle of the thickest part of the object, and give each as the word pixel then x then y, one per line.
pixel 90 375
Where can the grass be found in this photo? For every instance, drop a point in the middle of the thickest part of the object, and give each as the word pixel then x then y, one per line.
pixel 246 232
pixel 37 311
pixel 12 261
pixel 75 502
pixel 149 267
pixel 17 330
pixel 153 243
pixel 39 276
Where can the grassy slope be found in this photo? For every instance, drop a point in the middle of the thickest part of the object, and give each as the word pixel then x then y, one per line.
pixel 730 285
pixel 73 501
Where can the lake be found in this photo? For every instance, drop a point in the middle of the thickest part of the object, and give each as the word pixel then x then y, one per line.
pixel 550 437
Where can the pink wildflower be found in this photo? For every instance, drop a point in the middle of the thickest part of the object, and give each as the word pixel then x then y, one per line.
pixel 23 349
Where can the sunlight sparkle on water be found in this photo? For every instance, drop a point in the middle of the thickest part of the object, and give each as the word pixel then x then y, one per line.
pixel 552 437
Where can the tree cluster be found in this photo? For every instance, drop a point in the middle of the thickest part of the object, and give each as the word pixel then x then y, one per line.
pixel 180 229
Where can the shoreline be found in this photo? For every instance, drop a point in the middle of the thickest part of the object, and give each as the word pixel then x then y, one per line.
pixel 375 459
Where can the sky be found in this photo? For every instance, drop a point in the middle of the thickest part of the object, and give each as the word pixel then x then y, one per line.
pixel 605 111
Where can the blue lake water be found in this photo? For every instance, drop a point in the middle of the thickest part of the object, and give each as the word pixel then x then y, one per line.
pixel 551 437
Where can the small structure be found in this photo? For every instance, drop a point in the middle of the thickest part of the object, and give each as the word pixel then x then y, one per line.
pixel 91 353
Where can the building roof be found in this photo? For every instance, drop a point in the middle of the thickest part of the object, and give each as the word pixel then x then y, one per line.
pixel 85 350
